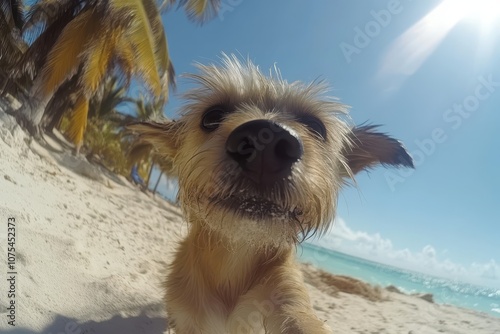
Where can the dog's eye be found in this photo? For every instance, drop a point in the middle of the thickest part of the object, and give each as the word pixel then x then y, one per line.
pixel 213 117
pixel 314 124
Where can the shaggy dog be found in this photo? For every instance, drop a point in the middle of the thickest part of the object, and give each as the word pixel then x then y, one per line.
pixel 260 163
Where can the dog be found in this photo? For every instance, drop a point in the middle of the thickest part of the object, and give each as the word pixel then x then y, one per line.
pixel 260 163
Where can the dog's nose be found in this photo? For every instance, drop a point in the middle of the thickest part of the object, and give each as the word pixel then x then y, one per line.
pixel 264 150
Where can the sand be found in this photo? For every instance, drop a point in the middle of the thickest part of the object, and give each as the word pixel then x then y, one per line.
pixel 91 252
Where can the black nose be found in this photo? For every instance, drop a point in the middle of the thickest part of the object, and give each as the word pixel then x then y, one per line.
pixel 264 150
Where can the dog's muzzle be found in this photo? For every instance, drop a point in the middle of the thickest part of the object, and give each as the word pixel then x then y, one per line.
pixel 265 150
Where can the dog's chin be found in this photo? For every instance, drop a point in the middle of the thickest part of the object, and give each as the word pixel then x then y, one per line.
pixel 256 208
pixel 255 221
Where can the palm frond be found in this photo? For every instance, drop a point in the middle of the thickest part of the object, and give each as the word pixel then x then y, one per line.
pixel 200 10
pixel 141 36
pixel 61 103
pixel 65 56
pixel 98 59
pixel 155 21
pixel 14 13
pixel 34 58
pixel 12 46
pixel 165 5
pixel 148 109
pixel 109 96
pixel 41 15
pixel 125 59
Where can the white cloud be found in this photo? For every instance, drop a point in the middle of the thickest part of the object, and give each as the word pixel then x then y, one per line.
pixel 359 243
pixel 429 252
pixel 428 260
pixel 489 270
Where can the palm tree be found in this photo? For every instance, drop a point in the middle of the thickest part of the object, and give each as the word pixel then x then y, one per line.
pixel 94 37
pixel 12 46
pixel 144 153
pixel 146 110
pixel 165 166
pixel 111 94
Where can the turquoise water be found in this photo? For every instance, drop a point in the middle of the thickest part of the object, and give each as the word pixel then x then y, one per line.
pixel 445 291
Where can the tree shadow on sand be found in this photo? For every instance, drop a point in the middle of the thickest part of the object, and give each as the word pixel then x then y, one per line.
pixel 141 324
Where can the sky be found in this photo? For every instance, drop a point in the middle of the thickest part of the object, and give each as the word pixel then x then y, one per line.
pixel 428 72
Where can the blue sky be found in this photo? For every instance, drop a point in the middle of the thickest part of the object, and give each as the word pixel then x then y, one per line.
pixel 424 80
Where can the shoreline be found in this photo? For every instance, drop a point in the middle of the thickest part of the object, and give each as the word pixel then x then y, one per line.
pixel 445 291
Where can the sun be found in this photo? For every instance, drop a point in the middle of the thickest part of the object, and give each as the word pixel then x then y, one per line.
pixel 487 12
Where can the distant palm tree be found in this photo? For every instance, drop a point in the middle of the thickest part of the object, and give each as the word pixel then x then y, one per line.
pixel 111 94
pixel 145 110
pixel 94 37
pixel 144 154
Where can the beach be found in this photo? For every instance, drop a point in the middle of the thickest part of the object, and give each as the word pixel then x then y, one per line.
pixel 91 252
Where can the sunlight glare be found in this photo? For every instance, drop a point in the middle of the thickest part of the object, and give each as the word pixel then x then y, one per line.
pixel 410 50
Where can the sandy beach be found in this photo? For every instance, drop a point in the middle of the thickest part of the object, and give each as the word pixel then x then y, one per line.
pixel 91 252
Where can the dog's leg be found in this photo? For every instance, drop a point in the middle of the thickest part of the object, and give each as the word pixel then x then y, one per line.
pixel 184 327
pixel 296 318
pixel 293 312
pixel 296 322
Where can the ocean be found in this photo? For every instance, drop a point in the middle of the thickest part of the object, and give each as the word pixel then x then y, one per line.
pixel 445 291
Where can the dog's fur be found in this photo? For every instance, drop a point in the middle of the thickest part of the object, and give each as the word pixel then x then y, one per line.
pixel 235 272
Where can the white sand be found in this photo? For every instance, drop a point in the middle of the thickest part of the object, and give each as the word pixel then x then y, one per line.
pixel 91 255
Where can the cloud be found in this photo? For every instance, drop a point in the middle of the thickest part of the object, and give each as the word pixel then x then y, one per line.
pixel 343 237
pixel 489 270
pixel 427 260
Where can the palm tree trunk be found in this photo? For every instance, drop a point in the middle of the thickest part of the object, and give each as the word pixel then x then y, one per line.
pixel 50 122
pixel 33 112
pixel 149 174
pixel 157 183
pixel 5 82
pixel 30 114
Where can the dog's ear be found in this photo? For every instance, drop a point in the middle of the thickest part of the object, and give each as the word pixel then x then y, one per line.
pixel 164 136
pixel 366 148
